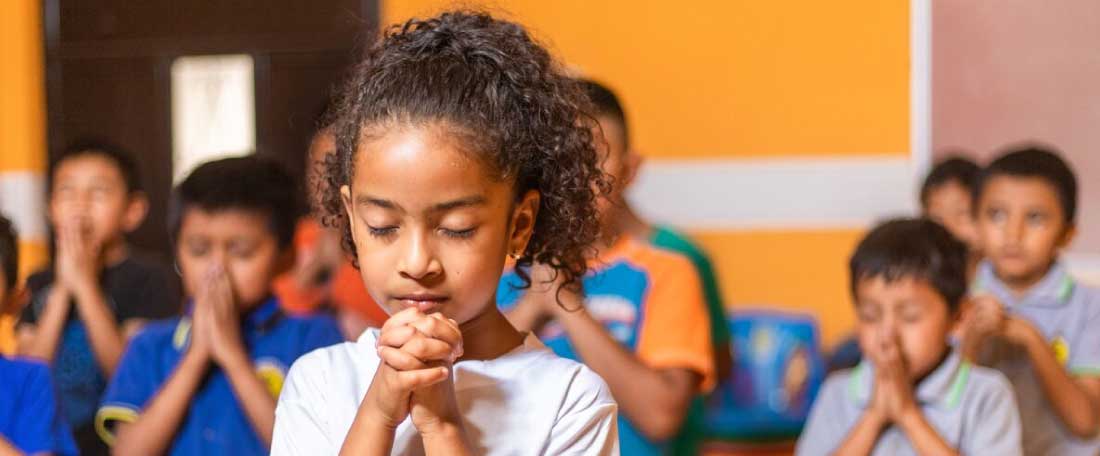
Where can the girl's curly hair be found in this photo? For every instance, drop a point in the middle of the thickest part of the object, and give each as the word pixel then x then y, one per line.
pixel 490 84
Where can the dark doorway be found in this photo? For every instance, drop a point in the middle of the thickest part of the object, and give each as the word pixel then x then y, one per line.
pixel 108 74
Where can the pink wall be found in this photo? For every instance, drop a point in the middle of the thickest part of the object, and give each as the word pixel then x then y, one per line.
pixel 1011 70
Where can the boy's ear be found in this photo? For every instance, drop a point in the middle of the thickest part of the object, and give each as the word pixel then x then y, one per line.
pixel 136 210
pixel 1068 237
pixel 632 162
pixel 523 222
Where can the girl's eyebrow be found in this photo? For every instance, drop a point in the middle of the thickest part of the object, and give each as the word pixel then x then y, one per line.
pixel 373 201
pixel 472 200
pixel 466 201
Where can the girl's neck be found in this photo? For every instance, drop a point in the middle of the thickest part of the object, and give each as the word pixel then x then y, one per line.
pixel 488 336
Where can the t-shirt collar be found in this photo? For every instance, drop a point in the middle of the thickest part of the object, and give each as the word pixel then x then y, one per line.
pixel 943 387
pixel 1053 290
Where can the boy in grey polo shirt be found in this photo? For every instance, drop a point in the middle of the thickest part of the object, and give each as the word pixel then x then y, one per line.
pixel 1029 319
pixel 913 394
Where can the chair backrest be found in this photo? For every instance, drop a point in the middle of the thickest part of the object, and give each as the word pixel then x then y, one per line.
pixel 777 369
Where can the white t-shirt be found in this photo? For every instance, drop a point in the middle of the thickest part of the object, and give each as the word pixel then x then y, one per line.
pixel 527 402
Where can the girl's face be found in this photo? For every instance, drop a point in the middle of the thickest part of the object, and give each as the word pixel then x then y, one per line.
pixel 432 225
pixel 238 240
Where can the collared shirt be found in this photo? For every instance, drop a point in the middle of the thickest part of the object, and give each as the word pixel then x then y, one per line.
pixel 650 300
pixel 972 408
pixel 215 422
pixel 29 417
pixel 1067 314
pixel 526 402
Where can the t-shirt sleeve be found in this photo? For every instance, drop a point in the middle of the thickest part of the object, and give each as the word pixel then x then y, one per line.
pixel 675 330
pixel 132 386
pixel 587 423
pixel 509 291
pixel 713 294
pixel 824 429
pixel 994 422
pixel 300 422
pixel 1084 355
pixel 40 427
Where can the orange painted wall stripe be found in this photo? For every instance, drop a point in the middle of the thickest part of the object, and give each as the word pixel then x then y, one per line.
pixel 735 78
pixel 792 270
pixel 22 87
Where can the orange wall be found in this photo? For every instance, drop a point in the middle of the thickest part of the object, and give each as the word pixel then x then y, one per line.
pixel 735 78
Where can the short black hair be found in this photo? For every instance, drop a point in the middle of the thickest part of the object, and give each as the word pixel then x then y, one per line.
pixel 955 169
pixel 912 248
pixel 1036 162
pixel 122 159
pixel 9 253
pixel 606 103
pixel 249 183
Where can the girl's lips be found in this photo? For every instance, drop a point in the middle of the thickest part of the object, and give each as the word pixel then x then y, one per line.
pixel 422 303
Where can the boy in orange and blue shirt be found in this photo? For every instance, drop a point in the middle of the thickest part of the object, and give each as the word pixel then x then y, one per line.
pixel 641 322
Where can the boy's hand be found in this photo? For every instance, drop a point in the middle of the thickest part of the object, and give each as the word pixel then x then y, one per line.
pixel 224 326
pixel 983 318
pixel 410 360
pixel 77 267
pixel 547 289
pixel 893 397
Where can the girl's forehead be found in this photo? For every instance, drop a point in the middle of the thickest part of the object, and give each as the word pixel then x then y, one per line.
pixel 421 165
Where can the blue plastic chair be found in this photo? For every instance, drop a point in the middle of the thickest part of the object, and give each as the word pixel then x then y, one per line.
pixel 777 370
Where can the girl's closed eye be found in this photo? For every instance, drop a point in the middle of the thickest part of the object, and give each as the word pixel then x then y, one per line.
pixel 381 231
pixel 459 233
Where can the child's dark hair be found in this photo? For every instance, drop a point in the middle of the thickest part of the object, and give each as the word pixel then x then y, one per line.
pixel 121 158
pixel 606 103
pixel 912 248
pixel 490 85
pixel 955 169
pixel 248 183
pixel 1035 162
pixel 9 253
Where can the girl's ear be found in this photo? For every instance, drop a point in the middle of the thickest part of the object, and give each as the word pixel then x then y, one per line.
pixel 345 196
pixel 523 223
pixel 136 210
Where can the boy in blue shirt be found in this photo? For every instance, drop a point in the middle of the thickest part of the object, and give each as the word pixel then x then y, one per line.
pixel 98 291
pixel 206 383
pixel 1029 318
pixel 29 422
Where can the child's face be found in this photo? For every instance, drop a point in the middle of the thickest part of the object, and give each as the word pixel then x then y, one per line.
pixel 614 162
pixel 1022 227
pixel 432 227
pixel 89 190
pixel 907 310
pixel 240 241
pixel 950 206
